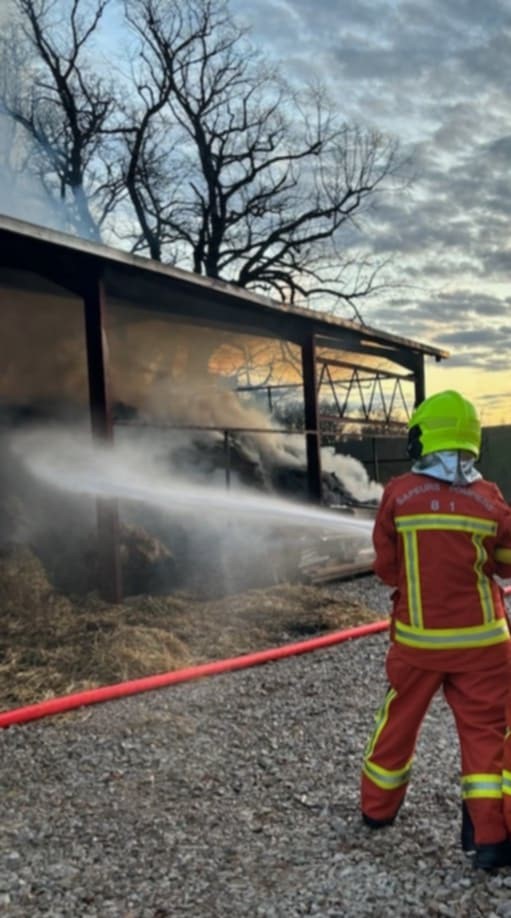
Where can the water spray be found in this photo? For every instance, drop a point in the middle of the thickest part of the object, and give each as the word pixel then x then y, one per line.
pixel 72 464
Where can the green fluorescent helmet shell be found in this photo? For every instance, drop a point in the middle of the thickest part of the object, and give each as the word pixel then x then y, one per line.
pixel 447 420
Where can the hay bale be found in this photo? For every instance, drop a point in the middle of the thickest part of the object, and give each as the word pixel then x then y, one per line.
pixel 23 580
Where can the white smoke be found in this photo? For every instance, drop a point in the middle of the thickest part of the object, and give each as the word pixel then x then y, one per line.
pixel 254 431
pixel 352 474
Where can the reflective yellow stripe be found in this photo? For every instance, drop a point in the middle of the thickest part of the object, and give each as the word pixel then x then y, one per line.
pixel 384 778
pixel 503 555
pixel 483 583
pixel 506 782
pixel 481 785
pixel 381 717
pixel 413 578
pixel 438 521
pixel 479 528
pixel 452 638
pixel 388 780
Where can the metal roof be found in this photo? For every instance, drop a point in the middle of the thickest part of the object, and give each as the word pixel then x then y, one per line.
pixel 68 260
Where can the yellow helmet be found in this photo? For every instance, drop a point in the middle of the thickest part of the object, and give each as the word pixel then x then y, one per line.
pixel 444 421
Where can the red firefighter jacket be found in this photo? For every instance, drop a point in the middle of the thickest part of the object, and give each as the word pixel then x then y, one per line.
pixel 439 545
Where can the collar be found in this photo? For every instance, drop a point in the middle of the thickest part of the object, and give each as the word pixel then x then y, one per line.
pixel 448 465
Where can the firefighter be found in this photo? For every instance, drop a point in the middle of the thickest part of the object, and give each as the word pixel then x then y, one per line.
pixel 441 534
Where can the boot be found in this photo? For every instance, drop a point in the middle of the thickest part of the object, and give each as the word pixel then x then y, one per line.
pixel 493 856
pixel 467 831
pixel 376 823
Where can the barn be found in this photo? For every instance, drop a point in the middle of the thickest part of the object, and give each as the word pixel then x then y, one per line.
pixel 113 347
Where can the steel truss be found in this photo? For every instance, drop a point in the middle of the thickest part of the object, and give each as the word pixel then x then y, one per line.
pixel 363 397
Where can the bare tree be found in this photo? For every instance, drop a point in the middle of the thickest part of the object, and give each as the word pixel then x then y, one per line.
pixel 50 88
pixel 266 184
pixel 224 168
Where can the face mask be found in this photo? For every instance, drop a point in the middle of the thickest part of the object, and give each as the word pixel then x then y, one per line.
pixel 448 465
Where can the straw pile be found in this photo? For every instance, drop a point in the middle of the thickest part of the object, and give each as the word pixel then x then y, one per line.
pixel 53 645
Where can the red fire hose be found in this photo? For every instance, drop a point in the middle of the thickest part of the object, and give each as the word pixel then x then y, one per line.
pixel 147 684
pixel 121 689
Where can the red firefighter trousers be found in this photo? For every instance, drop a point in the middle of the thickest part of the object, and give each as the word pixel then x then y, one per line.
pixel 477 700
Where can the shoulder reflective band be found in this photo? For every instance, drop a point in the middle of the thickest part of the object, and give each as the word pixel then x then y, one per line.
pixel 446 521
pixel 484 785
pixel 452 638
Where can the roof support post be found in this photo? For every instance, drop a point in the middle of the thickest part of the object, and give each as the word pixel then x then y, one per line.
pixel 419 380
pixel 102 430
pixel 312 432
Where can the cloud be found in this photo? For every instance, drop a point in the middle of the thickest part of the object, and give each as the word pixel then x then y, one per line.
pixel 477 338
pixel 437 76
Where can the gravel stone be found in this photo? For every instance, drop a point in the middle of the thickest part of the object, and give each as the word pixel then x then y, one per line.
pixel 236 795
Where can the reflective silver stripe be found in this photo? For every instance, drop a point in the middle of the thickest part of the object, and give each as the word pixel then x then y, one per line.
pixel 388 780
pixel 481 786
pixel 452 638
pixel 506 782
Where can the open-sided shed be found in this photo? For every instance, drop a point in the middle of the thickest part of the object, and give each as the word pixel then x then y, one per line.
pixel 74 321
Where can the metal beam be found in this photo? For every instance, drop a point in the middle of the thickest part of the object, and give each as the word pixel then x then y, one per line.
pixel 102 430
pixel 420 380
pixel 371 371
pixel 312 434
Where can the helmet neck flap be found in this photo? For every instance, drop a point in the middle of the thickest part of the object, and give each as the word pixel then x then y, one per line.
pixel 448 465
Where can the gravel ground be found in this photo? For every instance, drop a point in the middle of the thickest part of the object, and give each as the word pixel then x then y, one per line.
pixel 235 796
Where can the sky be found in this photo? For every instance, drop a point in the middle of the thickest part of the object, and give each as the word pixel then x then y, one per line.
pixel 436 76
